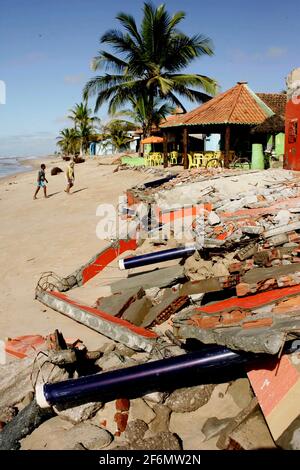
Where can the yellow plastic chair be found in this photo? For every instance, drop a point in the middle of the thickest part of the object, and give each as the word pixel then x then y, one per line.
pixel 198 158
pixel 205 157
pixel 151 159
pixel 147 160
pixel 158 159
pixel 192 162
pixel 174 158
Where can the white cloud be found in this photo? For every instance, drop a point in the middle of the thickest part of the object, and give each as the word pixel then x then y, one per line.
pixel 275 52
pixel 270 54
pixel 74 79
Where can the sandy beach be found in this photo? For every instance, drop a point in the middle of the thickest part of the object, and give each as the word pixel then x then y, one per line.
pixel 56 234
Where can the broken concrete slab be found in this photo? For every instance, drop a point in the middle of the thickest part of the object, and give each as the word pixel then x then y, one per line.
pixel 138 409
pixel 16 378
pixel 114 360
pixel 241 392
pixel 80 413
pixel 213 284
pixel 282 229
pixel 105 418
pixel 223 441
pixel 115 328
pixel 170 303
pixel 135 430
pixel 117 304
pixel 161 421
pixel 137 311
pixel 262 340
pixel 221 406
pixel 54 435
pixel 213 427
pixel 261 279
pixel 213 218
pixel 189 399
pixel 252 434
pixel 258 323
pixel 163 277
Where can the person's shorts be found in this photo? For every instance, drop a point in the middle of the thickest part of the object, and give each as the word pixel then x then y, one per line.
pixel 41 184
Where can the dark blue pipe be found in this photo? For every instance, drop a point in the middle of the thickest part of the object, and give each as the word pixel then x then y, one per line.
pixel 175 371
pixel 156 257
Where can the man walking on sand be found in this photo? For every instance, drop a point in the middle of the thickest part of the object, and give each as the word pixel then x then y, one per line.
pixel 41 181
pixel 70 176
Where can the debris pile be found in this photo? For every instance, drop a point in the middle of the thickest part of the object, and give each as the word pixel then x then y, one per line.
pixel 208 304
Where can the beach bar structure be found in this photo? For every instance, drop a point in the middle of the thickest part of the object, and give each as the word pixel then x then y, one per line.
pixel 231 114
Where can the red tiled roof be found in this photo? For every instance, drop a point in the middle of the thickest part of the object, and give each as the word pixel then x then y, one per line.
pixel 275 101
pixel 239 105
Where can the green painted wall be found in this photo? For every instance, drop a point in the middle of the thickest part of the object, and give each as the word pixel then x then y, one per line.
pixel 279 143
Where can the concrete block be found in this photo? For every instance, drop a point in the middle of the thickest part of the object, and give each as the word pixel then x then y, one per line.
pixel 163 277
pixel 189 399
pixel 213 218
pixel 80 413
pixel 117 304
pixel 170 303
pixel 137 311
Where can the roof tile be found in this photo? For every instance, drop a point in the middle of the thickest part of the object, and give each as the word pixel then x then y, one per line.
pixel 239 105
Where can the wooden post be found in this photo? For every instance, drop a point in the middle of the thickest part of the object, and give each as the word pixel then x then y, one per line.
pixel 165 146
pixel 227 146
pixel 185 148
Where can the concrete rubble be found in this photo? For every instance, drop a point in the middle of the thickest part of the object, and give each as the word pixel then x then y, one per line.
pixel 239 289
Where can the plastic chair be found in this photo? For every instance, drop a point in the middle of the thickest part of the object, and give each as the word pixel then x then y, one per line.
pixel 158 159
pixel 192 162
pixel 199 159
pixel 151 159
pixel 174 158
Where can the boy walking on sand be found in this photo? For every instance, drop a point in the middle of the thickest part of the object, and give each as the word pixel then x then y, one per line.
pixel 70 177
pixel 41 181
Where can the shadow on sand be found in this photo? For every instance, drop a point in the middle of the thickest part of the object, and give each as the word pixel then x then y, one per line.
pixel 78 190
pixel 54 194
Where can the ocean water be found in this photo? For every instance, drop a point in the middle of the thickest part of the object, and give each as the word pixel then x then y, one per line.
pixel 13 165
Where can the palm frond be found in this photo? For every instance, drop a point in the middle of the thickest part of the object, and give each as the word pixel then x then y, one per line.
pixel 129 24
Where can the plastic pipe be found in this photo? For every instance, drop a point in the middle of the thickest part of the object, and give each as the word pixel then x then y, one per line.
pixel 156 257
pixel 144 378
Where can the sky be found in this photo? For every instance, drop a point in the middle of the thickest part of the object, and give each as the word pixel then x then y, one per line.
pixel 46 47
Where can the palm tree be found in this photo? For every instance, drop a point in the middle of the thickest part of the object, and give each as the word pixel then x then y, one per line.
pixel 150 59
pixel 69 141
pixel 116 133
pixel 146 112
pixel 84 123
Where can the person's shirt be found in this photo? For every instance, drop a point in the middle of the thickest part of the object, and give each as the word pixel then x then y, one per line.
pixel 70 173
pixel 41 176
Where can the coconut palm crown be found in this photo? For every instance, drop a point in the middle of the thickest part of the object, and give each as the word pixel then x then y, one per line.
pixel 151 58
